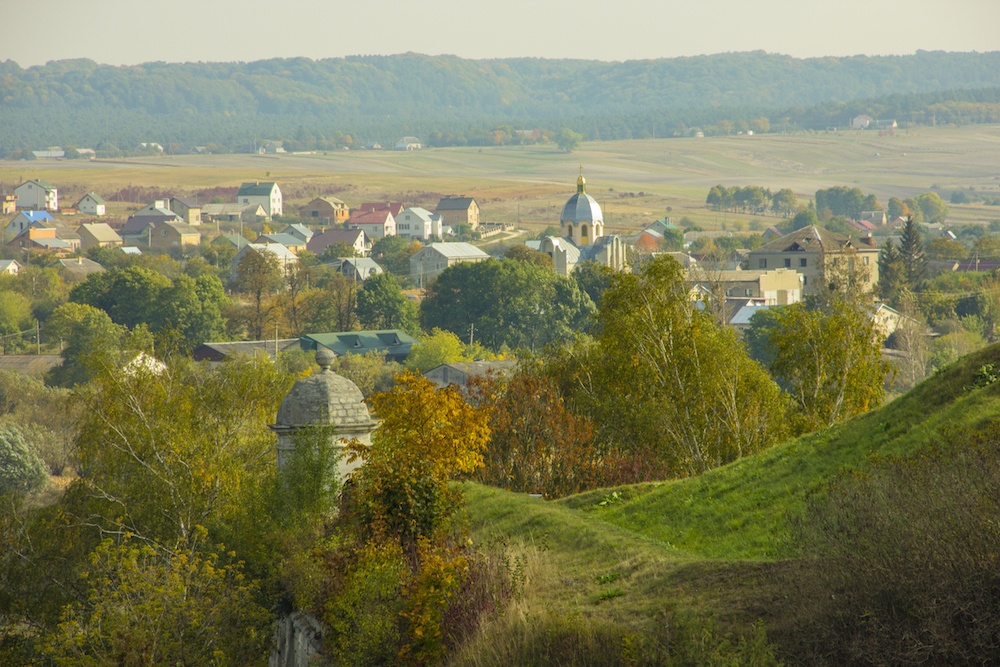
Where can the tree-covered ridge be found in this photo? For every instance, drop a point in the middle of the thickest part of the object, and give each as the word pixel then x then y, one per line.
pixel 375 95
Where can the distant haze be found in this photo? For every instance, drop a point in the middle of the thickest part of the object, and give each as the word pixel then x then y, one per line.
pixel 135 31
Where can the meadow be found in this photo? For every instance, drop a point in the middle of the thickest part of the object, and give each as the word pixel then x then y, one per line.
pixel 635 181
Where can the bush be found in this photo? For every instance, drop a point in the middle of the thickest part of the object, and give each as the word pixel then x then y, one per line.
pixel 21 470
pixel 901 563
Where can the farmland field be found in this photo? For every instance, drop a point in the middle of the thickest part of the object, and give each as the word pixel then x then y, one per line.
pixel 635 181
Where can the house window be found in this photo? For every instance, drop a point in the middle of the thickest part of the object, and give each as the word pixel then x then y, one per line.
pixel 788 262
pixel 805 280
pixel 865 261
pixel 762 263
pixel 802 262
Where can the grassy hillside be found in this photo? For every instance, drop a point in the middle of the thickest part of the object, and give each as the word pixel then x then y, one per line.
pixel 636 554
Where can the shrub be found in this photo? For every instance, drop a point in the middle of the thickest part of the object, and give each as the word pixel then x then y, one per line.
pixel 901 563
pixel 21 470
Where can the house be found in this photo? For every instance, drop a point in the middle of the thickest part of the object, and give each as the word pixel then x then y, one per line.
pixel 9 267
pixel 300 232
pixel 876 218
pixel 774 287
pixel 432 259
pixel 215 353
pixel 359 268
pixel 9 205
pixel 394 206
pixel 188 209
pixel 266 193
pixel 352 238
pixel 98 235
pixel 861 122
pixel 283 255
pixel 26 219
pixel 325 211
pixel 92 204
pixel 77 267
pixel 271 147
pixel 40 239
pixel 68 234
pixel 419 223
pixel 459 211
pixel 293 243
pixel 139 226
pixel 819 255
pixel 375 223
pixel 234 240
pixel 50 154
pixel 170 234
pixel 233 212
pixel 37 195
pixel 408 144
pixel 461 372
pixel 394 343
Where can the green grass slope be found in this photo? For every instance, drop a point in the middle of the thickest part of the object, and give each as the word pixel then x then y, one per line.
pixel 747 510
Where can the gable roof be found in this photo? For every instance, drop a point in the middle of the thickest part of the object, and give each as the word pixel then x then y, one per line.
pixel 93 195
pixel 456 250
pixel 232 239
pixel 320 242
pixel 186 201
pixel 455 203
pixel 379 217
pixel 101 232
pixel 394 342
pixel 301 232
pixel 34 216
pixel 220 351
pixel 808 239
pixel 287 240
pixel 256 189
pixel 394 206
pixel 182 228
pixel 80 266
pixel 45 185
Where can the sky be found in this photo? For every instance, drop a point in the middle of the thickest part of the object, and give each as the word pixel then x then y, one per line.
pixel 128 32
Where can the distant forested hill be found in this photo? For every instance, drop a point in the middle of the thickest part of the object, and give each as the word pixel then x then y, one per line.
pixel 450 100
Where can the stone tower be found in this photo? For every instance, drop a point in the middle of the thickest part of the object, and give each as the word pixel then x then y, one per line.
pixel 325 399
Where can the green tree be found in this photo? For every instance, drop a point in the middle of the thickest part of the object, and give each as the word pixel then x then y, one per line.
pixel 932 207
pixel 21 469
pixel 433 349
pixel 805 218
pixel 523 253
pixel 92 342
pixel 568 140
pixel 394 252
pixel 827 356
pixel 891 270
pixel 592 278
pixel 189 313
pixel 128 295
pixel 784 202
pixel 15 317
pixel 513 304
pixel 333 307
pixel 911 251
pixel 382 305
pixel 669 379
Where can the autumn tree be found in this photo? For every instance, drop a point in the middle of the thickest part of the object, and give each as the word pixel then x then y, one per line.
pixel 436 348
pixel 827 356
pixel 259 275
pixel 148 605
pixel 537 445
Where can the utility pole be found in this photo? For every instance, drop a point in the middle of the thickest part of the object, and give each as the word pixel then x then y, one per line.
pixel 472 331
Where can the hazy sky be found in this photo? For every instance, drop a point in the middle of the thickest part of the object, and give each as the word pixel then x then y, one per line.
pixel 134 31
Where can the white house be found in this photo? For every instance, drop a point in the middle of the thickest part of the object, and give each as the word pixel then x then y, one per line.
pixel 267 194
pixel 92 204
pixel 37 195
pixel 9 266
pixel 408 144
pixel 375 224
pixel 418 223
pixel 432 259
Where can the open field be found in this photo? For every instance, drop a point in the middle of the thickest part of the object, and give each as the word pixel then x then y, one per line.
pixel 530 183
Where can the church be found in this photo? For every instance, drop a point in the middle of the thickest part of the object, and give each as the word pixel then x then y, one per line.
pixel 581 235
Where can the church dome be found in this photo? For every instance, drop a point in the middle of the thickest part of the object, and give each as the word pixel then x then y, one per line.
pixel 581 207
pixel 323 398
